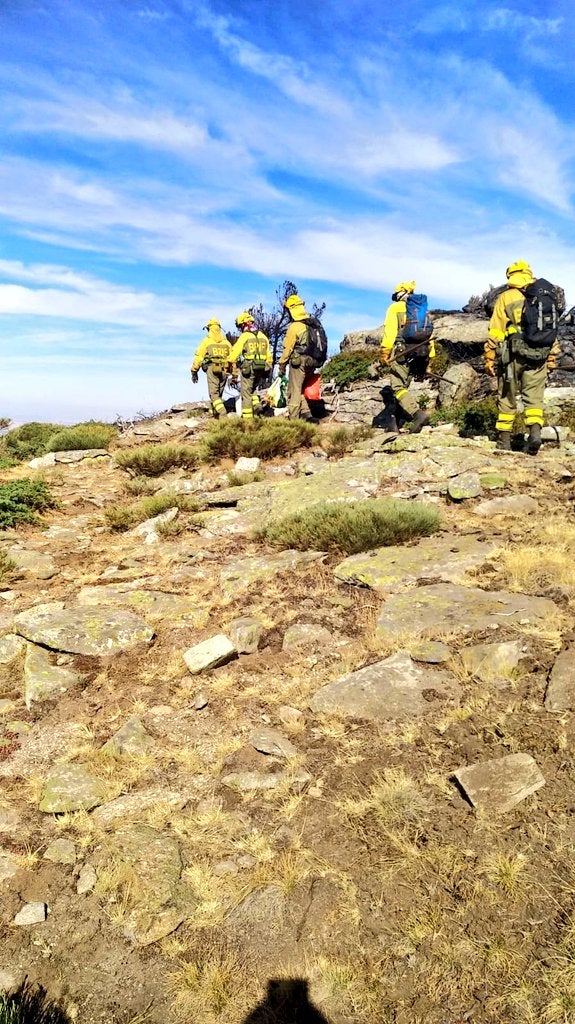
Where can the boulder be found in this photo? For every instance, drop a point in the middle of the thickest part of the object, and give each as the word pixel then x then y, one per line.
pixel 270 741
pixel 459 384
pixel 249 782
pixel 209 653
pixel 61 851
pixel 510 505
pixel 432 652
pixel 154 604
pixel 9 865
pixel 31 913
pixel 489 662
pixel 92 631
pixel 447 607
pixel 245 634
pixel 131 739
pixel 87 879
pixel 12 651
pixel 35 563
pixel 394 568
pixel 70 787
pixel 306 636
pixel 499 785
pixel 80 455
pixel 149 529
pixel 44 680
pixel 129 808
pixel 464 486
pixel 560 695
pixel 245 465
pixel 389 690
pixel 243 572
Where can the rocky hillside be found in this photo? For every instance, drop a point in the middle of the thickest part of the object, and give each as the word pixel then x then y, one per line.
pixel 226 764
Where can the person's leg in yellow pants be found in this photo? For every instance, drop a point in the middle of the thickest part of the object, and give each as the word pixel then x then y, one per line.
pixel 247 381
pixel 216 383
pixel 298 409
pixel 533 380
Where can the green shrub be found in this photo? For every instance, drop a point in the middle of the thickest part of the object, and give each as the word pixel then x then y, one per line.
pixel 266 438
pixel 29 440
pixel 350 527
pixel 7 568
pixel 20 500
pixel 81 436
pixel 141 485
pixel 347 367
pixel 344 439
pixel 6 461
pixel 471 418
pixel 121 516
pixel 155 459
pixel 441 360
pixel 238 479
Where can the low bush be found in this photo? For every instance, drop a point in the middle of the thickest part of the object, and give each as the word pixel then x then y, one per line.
pixel 29 440
pixel 266 438
pixel 121 516
pixel 237 479
pixel 350 527
pixel 7 568
pixel 81 436
pixel 441 360
pixel 140 486
pixel 347 367
pixel 21 500
pixel 343 439
pixel 155 459
pixel 471 418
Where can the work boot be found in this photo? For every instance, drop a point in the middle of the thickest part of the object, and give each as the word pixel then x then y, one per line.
pixel 534 439
pixel 503 441
pixel 419 421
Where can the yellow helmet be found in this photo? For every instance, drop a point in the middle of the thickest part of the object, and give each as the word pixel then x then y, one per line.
pixel 404 286
pixel 244 318
pixel 519 267
pixel 212 323
pixel 293 300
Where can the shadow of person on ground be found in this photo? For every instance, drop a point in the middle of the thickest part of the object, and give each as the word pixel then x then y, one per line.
pixel 286 1002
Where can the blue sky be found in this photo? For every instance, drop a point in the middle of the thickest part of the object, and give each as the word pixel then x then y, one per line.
pixel 166 161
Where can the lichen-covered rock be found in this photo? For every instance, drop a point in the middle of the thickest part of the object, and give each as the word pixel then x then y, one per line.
pixel 490 662
pixel 34 563
pixel 560 695
pixel 446 607
pixel 12 651
pixel 395 568
pixel 70 787
pixel 153 604
pixel 270 741
pixel 95 631
pixel 306 636
pixel 245 634
pixel 464 486
pixel 510 505
pixel 42 679
pixel 131 738
pixel 242 572
pixel 61 851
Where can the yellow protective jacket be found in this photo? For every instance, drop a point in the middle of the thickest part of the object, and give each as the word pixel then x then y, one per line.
pixel 296 332
pixel 393 324
pixel 251 347
pixel 214 349
pixel 506 317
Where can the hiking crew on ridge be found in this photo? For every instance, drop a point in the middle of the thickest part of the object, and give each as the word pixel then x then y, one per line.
pixel 305 349
pixel 521 348
pixel 213 356
pixel 407 348
pixel 252 352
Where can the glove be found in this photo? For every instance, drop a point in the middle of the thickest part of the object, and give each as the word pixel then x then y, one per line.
pixel 489 363
pixel 234 380
pixel 282 369
pixel 385 357
pixel 195 377
pixel 551 362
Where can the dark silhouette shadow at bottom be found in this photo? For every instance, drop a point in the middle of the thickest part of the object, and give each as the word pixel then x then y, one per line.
pixel 286 1002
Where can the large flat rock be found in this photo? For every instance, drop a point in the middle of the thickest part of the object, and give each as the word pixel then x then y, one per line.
pixel 42 679
pixel 441 608
pixel 392 689
pixel 497 786
pixel 92 631
pixel 242 572
pixel 152 604
pixel 391 569
pixel 560 695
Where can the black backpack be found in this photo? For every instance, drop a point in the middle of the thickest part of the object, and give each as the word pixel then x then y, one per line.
pixel 539 321
pixel 315 343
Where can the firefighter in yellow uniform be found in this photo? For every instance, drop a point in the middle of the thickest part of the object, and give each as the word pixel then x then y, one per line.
pixel 516 376
pixel 392 346
pixel 213 356
pixel 252 356
pixel 300 363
